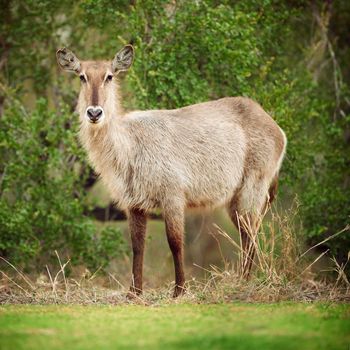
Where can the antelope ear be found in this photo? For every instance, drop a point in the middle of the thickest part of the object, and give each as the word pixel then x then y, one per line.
pixel 68 61
pixel 123 59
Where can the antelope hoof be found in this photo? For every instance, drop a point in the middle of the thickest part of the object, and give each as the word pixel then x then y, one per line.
pixel 178 291
pixel 134 293
pixel 246 274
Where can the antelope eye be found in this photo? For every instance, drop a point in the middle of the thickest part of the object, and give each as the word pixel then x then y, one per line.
pixel 109 77
pixel 82 79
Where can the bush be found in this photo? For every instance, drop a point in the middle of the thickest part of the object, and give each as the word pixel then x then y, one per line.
pixel 186 52
pixel 42 202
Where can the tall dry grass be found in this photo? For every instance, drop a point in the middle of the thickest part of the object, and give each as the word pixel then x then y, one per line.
pixel 282 271
pixel 282 268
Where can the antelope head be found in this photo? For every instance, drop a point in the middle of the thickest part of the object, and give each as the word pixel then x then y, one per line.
pixel 98 91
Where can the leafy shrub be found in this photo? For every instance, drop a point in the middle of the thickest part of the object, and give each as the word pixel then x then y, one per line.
pixel 186 52
pixel 196 51
pixel 42 200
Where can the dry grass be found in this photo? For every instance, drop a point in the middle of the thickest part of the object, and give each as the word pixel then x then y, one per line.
pixel 281 272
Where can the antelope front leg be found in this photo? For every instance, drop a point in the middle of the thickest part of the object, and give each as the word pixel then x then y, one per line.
pixel 137 227
pixel 174 225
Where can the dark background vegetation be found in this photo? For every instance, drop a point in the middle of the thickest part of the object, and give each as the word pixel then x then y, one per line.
pixel 290 56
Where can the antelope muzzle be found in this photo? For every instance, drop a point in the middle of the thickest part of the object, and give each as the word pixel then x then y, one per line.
pixel 94 114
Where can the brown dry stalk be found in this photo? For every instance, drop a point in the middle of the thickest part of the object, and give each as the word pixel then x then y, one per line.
pixel 280 272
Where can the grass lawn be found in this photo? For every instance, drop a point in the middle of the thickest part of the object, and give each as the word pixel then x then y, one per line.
pixel 176 326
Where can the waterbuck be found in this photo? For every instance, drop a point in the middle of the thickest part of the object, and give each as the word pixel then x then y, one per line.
pixel 224 152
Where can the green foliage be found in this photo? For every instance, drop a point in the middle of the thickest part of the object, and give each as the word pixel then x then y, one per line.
pixel 196 51
pixel 186 52
pixel 42 197
pixel 326 199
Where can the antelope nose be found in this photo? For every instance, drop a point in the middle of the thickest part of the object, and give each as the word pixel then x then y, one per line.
pixel 94 114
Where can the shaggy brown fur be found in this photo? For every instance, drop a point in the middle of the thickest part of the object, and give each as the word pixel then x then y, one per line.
pixel 223 152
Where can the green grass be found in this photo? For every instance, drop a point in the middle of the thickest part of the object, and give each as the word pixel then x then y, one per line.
pixel 176 326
